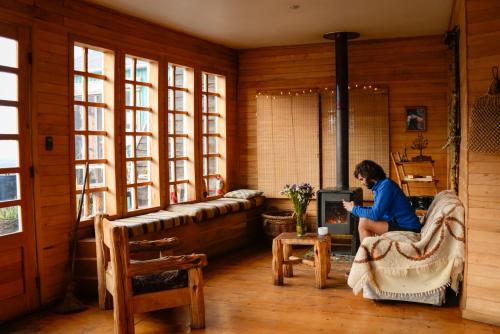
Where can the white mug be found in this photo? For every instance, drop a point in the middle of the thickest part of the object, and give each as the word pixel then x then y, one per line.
pixel 322 230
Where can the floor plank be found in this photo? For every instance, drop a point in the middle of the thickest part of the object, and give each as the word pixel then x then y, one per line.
pixel 240 298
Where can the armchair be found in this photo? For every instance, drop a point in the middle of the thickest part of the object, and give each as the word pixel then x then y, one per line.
pixel 138 286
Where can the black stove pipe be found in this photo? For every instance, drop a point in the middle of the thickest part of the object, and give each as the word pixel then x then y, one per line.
pixel 342 82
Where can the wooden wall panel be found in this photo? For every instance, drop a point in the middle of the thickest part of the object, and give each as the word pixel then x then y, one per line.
pixel 414 70
pixel 479 182
pixel 53 25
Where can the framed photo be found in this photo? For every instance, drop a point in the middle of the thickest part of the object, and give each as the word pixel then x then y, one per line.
pixel 416 118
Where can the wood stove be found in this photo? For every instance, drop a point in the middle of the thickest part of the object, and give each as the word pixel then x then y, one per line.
pixel 331 212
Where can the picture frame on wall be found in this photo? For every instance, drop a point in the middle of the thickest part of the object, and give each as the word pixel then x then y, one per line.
pixel 416 118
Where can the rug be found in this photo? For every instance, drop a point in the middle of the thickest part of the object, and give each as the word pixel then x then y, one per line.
pixel 341 259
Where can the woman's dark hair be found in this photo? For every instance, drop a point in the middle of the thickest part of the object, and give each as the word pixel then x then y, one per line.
pixel 369 170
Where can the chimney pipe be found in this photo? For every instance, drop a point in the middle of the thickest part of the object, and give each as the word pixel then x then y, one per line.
pixel 342 82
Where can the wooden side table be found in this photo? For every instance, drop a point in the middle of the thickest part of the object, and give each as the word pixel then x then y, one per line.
pixel 283 261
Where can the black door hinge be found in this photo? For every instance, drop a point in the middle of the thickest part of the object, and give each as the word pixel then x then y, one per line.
pixel 32 171
pixel 30 58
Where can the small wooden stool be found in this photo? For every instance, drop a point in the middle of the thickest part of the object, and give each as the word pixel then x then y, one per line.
pixel 283 261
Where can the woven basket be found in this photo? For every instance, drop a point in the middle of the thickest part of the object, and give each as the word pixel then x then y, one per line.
pixel 277 222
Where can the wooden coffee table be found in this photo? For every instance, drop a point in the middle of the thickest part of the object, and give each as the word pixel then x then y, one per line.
pixel 283 261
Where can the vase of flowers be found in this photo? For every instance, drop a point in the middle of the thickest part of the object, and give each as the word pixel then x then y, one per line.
pixel 300 194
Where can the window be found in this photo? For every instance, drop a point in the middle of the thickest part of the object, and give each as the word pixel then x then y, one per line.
pixel 141 133
pixel 180 134
pixel 93 126
pixel 213 109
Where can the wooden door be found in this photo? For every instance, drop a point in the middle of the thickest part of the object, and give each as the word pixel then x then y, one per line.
pixel 18 288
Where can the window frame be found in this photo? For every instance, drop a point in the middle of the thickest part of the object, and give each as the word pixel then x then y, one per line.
pixel 109 120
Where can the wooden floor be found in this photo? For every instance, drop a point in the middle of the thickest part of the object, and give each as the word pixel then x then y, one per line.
pixel 240 298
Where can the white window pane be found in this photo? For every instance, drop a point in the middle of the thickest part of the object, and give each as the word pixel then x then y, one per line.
pixel 79 147
pixel 212 165
pixel 180 100
pixel 212 145
pixel 79 117
pixel 170 123
pixel 212 124
pixel 78 58
pixel 204 104
pixel 142 96
pixel 143 171
pixel 95 90
pixel 130 172
pixel 79 83
pixel 131 199
pixel 143 146
pixel 9 220
pixel 180 170
pixel 9 187
pixel 96 119
pixel 212 186
pixel 170 99
pixel 142 121
pixel 96 175
pixel 95 61
pixel 180 146
pixel 8 56
pixel 142 71
pixel 170 75
pixel 129 120
pixel 9 153
pixel 79 176
pixel 171 171
pixel 96 147
pixel 180 124
pixel 129 68
pixel 98 197
pixel 129 146
pixel 129 94
pixel 8 120
pixel 203 82
pixel 212 83
pixel 180 75
pixel 212 103
pixel 143 197
pixel 8 86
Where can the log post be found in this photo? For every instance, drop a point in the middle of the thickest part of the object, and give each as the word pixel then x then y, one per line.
pixel 288 268
pixel 277 262
pixel 197 298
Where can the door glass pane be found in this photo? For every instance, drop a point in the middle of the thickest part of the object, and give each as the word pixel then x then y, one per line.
pixel 170 105
pixel 79 175
pixel 170 75
pixel 9 153
pixel 170 123
pixel 9 220
pixel 8 56
pixel 129 147
pixel 129 120
pixel 180 100
pixel 8 86
pixel 142 96
pixel 9 187
pixel 129 98
pixel 170 147
pixel 143 197
pixel 8 120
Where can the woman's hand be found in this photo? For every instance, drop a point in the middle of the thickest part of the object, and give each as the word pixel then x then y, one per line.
pixel 348 205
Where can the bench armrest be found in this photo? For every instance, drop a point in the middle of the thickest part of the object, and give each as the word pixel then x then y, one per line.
pixel 153 245
pixel 146 267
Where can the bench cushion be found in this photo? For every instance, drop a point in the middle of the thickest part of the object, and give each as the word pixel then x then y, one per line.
pixel 219 207
pixel 152 222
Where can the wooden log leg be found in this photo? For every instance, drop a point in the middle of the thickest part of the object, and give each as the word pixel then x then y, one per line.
pixel 277 264
pixel 320 264
pixel 288 268
pixel 197 298
pixel 329 256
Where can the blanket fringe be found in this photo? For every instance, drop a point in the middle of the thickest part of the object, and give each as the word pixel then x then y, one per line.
pixel 399 295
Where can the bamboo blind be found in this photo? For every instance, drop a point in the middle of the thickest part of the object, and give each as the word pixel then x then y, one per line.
pixel 368 133
pixel 287 141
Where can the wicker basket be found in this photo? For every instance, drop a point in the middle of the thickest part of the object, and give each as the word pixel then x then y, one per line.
pixel 277 222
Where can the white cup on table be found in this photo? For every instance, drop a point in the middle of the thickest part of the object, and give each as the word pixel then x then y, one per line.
pixel 322 230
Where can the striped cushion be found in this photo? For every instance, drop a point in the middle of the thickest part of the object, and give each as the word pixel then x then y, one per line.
pixel 219 207
pixel 243 193
pixel 152 222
